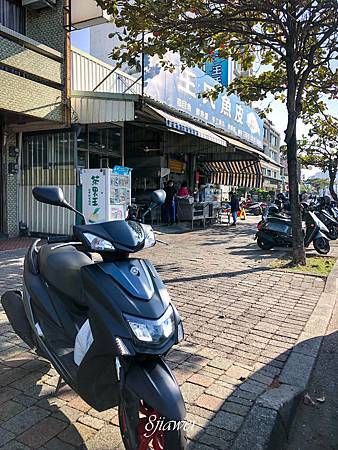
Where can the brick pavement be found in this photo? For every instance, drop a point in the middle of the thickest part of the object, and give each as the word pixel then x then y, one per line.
pixel 241 319
pixel 15 243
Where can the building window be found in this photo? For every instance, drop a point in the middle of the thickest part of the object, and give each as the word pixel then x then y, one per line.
pixel 99 146
pixel 12 15
pixel 273 140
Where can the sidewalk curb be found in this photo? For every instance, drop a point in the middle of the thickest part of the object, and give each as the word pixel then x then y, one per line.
pixel 268 423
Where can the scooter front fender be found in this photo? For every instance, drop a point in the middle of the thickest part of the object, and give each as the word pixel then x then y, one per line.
pixel 153 382
pixel 320 234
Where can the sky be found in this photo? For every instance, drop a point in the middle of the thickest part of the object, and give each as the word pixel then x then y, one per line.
pixel 81 40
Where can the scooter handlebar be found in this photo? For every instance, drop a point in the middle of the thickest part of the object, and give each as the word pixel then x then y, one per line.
pixel 59 239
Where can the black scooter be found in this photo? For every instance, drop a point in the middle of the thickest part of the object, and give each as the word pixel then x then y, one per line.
pixel 277 232
pixel 105 326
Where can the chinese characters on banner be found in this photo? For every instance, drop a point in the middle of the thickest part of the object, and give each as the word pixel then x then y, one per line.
pixel 181 90
pixel 218 69
pixel 93 198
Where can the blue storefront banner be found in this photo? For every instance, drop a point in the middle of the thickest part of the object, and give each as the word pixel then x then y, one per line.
pixel 218 69
pixel 181 89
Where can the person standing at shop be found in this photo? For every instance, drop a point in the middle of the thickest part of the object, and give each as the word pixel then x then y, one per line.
pixel 234 204
pixel 169 204
pixel 183 190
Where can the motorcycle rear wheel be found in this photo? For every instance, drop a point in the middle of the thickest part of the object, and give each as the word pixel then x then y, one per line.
pixel 322 245
pixel 263 244
pixel 156 436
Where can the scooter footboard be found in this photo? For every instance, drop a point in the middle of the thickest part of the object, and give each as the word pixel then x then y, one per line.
pixel 153 382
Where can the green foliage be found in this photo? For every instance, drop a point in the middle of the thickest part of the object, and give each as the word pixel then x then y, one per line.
pixel 263 195
pixel 318 265
pixel 294 41
pixel 317 184
pixel 320 147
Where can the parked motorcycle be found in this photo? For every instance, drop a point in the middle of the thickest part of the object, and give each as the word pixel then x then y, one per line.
pixel 256 208
pixel 105 325
pixel 326 214
pixel 277 232
pixel 275 210
pixel 329 221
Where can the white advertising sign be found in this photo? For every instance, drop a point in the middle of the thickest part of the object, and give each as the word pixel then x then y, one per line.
pixel 94 195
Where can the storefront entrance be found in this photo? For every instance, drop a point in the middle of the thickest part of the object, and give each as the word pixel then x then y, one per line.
pixel 48 159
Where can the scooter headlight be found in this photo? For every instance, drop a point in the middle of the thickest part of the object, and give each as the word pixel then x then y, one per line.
pixel 153 331
pixel 97 243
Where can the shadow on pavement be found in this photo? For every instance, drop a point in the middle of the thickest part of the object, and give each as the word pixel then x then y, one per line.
pixel 242 404
pixel 315 426
pixel 208 275
pixel 31 415
pixel 29 412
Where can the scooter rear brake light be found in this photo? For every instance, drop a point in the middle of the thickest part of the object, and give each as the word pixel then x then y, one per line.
pixel 259 226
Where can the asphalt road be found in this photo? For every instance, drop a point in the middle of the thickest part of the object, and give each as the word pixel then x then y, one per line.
pixel 316 427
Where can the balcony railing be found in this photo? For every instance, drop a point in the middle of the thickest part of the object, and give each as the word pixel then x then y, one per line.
pixel 91 74
pixel 31 78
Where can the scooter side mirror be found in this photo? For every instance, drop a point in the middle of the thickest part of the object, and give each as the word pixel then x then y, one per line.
pixel 158 197
pixel 51 195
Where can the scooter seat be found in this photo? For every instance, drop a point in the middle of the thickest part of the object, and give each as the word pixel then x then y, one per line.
pixel 61 268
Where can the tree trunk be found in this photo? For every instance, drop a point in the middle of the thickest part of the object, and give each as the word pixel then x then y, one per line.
pixel 333 175
pixel 299 257
pixel 293 104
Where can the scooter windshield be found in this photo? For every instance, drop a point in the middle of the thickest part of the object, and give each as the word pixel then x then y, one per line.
pixel 278 226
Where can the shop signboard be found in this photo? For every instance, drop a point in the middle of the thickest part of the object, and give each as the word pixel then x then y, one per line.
pixel 218 69
pixel 106 193
pixel 176 166
pixel 94 195
pixel 181 90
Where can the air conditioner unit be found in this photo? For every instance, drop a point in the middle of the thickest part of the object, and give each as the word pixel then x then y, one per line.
pixel 38 4
pixel 86 14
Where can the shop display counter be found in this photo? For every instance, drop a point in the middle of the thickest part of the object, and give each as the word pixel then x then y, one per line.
pixel 190 211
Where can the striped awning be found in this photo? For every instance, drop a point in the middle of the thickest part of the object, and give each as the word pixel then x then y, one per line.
pixel 234 173
pixel 187 127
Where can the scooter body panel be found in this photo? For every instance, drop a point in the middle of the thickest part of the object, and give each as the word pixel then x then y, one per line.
pixel 110 289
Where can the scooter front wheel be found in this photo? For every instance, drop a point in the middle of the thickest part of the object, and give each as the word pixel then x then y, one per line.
pixel 150 430
pixel 322 245
pixel 333 233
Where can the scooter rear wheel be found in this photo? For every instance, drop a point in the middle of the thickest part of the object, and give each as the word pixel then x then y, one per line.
pixel 322 245
pixel 263 244
pixel 149 430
